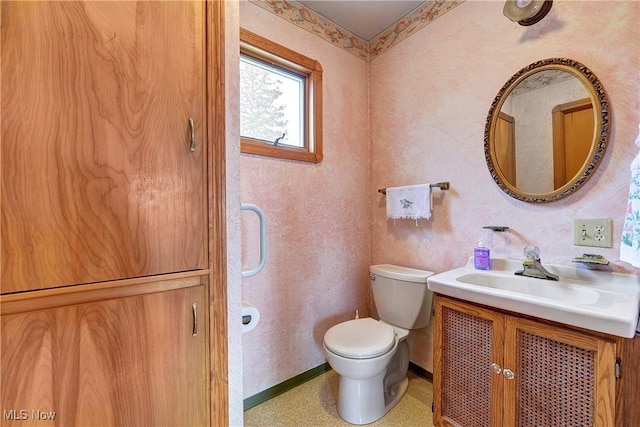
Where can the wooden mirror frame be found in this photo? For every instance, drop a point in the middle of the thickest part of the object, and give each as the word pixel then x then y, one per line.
pixel 598 144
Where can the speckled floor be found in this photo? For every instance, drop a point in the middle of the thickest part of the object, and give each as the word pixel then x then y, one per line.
pixel 313 404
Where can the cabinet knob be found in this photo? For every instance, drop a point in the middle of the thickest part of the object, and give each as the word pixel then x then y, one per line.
pixel 496 368
pixel 508 373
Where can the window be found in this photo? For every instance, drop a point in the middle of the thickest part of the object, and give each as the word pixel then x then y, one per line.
pixel 280 101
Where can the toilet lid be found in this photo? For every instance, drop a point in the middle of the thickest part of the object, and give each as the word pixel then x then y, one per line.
pixel 360 338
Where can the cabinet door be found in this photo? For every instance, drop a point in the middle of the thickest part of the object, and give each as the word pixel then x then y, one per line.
pixel 97 179
pixel 126 361
pixel 468 343
pixel 561 378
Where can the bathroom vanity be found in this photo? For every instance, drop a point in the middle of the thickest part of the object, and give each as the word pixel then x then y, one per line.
pixel 497 366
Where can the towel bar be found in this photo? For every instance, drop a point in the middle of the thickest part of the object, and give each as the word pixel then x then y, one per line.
pixel 440 185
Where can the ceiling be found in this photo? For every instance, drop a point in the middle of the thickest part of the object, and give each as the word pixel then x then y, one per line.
pixel 364 18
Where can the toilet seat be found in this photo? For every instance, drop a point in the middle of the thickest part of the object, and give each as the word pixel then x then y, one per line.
pixel 360 338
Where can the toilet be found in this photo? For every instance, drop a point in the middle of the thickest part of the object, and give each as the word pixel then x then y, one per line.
pixel 372 356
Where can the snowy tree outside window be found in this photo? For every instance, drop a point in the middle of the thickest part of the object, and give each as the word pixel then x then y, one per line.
pixel 280 101
pixel 271 103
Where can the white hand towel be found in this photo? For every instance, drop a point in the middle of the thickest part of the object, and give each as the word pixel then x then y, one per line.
pixel 630 242
pixel 410 201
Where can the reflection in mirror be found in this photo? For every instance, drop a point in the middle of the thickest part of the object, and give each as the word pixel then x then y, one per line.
pixel 546 130
pixel 528 116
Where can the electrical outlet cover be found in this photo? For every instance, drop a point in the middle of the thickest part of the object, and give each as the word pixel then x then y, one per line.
pixel 592 232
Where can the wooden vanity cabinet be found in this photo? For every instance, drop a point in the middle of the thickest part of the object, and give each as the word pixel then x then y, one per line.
pixel 496 369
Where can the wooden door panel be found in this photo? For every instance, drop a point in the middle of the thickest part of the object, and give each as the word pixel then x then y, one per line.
pixel 97 180
pixel 505 149
pixel 126 361
pixel 573 135
pixel 579 128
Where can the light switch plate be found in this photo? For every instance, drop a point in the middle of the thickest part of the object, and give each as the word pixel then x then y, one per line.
pixel 592 232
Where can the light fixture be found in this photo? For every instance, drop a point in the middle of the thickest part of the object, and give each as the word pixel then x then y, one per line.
pixel 526 12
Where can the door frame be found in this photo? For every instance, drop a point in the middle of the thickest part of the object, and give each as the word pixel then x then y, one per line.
pixel 218 325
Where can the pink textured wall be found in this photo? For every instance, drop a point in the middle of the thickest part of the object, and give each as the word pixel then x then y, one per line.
pixel 318 220
pixel 424 122
pixel 429 99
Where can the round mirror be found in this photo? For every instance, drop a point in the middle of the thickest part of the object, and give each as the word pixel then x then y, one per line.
pixel 547 130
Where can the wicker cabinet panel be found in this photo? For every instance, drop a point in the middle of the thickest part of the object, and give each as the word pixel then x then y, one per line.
pixel 466 398
pixel 468 342
pixel 492 369
pixel 562 378
pixel 556 383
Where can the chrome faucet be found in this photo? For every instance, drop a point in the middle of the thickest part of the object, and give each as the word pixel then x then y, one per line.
pixel 532 266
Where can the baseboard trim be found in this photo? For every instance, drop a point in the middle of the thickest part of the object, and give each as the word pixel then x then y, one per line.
pixel 421 372
pixel 285 386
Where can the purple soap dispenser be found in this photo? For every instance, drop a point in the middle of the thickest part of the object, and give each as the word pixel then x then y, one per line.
pixel 481 257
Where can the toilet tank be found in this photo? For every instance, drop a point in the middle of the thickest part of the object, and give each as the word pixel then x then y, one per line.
pixel 401 295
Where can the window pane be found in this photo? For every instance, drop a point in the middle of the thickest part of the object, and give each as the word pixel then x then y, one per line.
pixel 271 103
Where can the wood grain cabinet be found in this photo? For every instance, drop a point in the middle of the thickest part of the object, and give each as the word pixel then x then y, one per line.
pixel 494 369
pixel 105 206
pixel 136 361
pixel 100 180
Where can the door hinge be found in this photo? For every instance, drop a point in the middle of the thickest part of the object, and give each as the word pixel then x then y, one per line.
pixel 618 368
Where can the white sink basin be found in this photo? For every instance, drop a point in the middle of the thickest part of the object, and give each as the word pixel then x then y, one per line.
pixel 597 300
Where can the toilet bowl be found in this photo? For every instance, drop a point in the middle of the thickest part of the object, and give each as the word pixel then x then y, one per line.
pixel 360 351
pixel 372 356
